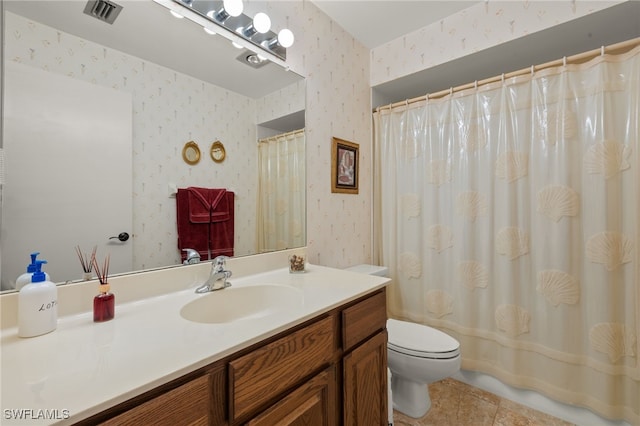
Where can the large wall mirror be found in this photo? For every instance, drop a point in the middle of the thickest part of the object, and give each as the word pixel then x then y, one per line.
pixel 95 120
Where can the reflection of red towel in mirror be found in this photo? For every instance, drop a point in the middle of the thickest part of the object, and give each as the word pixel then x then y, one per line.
pixel 204 203
pixel 205 221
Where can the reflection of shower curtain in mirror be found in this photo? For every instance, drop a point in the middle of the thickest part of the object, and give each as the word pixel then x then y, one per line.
pixel 281 192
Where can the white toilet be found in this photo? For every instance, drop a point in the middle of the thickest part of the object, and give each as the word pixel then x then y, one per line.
pixel 417 355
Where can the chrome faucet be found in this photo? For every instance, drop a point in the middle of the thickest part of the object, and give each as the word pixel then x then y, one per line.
pixel 218 278
pixel 192 257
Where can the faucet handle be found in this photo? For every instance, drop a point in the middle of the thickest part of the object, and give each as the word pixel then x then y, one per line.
pixel 192 256
pixel 219 262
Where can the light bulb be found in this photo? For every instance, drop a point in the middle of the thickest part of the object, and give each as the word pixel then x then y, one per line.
pixel 262 22
pixel 233 7
pixel 209 31
pixel 236 45
pixel 285 38
pixel 176 14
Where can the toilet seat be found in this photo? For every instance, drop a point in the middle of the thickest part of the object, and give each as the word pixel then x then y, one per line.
pixel 420 341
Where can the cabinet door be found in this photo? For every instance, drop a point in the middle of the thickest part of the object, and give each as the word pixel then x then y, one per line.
pixel 311 404
pixel 189 404
pixel 365 383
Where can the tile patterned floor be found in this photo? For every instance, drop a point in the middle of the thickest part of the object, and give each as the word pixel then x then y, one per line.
pixel 454 403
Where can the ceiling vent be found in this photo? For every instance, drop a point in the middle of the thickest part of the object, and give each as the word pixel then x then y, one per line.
pixel 106 11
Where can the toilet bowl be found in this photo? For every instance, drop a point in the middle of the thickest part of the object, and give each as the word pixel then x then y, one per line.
pixel 416 355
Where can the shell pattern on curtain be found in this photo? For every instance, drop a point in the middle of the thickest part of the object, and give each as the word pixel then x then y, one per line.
pixel 509 218
pixel 281 212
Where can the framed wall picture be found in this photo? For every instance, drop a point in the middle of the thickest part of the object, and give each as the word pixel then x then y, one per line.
pixel 344 166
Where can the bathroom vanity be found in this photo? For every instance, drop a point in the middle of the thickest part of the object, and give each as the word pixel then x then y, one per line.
pixel 329 368
pixel 317 357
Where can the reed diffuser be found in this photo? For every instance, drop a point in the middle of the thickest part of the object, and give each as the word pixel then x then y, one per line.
pixel 104 303
pixel 86 262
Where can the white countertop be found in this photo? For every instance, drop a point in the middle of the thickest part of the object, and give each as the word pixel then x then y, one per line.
pixel 83 367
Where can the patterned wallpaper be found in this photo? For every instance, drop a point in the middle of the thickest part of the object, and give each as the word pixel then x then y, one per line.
pixel 487 24
pixel 336 68
pixel 339 72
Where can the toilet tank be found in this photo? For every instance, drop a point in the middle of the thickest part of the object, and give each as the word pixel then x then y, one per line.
pixel 381 271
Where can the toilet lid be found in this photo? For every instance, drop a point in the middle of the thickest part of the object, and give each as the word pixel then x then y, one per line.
pixel 420 340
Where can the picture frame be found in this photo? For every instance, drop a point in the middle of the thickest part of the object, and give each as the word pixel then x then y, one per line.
pixel 345 162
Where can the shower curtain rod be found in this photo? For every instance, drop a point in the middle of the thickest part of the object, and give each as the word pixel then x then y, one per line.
pixel 291 133
pixel 616 48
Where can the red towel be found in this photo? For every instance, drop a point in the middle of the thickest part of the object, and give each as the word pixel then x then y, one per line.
pixel 222 230
pixel 205 204
pixel 205 221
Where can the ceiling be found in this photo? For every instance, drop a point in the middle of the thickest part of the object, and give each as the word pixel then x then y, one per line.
pixel 358 17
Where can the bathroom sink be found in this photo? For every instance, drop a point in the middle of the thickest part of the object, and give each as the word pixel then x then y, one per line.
pixel 241 303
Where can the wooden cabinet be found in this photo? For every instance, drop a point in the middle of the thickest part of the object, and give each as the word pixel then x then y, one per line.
pixel 365 383
pixel 188 404
pixel 266 373
pixel 365 361
pixel 330 370
pixel 311 404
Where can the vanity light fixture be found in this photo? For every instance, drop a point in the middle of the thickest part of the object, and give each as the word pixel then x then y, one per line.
pixel 229 8
pixel 284 39
pixel 225 18
pixel 261 24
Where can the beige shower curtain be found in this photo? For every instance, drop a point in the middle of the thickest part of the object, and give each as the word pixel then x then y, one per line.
pixel 281 192
pixel 508 215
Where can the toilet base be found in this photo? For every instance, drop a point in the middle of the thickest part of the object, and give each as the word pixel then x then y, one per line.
pixel 410 398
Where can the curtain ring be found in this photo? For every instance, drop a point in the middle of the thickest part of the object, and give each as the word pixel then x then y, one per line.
pixel 475 84
pixel 564 61
pixel 601 50
pixel 450 91
pixel 502 78
pixel 532 70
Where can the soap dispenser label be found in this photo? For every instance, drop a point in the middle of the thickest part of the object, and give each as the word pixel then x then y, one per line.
pixel 47 306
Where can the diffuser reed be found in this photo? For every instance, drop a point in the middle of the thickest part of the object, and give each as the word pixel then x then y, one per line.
pixel 104 302
pixel 86 262
pixel 103 274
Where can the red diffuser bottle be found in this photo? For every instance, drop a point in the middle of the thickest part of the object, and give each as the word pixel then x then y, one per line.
pixel 104 304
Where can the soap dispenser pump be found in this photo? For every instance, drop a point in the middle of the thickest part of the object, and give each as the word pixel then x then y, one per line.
pixel 37 305
pixel 25 278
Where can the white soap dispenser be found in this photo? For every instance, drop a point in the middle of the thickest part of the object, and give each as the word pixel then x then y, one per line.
pixel 37 305
pixel 25 278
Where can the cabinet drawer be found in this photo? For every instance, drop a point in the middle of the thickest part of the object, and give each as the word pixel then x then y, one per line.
pixel 363 319
pixel 188 404
pixel 267 372
pixel 312 404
